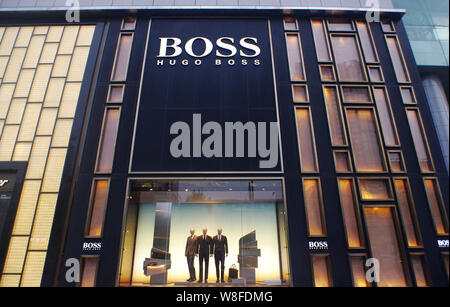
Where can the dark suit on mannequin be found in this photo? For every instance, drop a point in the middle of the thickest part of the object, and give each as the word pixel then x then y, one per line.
pixel 204 249
pixel 191 251
pixel 220 244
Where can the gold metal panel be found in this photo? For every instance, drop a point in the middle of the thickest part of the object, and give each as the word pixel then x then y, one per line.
pixel 78 65
pixel 23 85
pixel 29 122
pixel 54 92
pixel 69 100
pixel 26 207
pixel 16 111
pixel 38 157
pixel 8 40
pixel 22 151
pixel 6 92
pixel 34 52
pixel 43 221
pixel 41 30
pixel 54 169
pixel 2 31
pixel 49 53
pixel 40 83
pixel 54 34
pixel 85 35
pixel 10 280
pixel 3 63
pixel 61 135
pixel 61 65
pixel 23 39
pixel 8 141
pixel 32 271
pixel 15 62
pixel 68 39
pixel 16 255
pixel 47 121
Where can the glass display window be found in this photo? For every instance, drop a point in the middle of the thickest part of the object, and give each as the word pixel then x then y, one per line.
pixel 171 224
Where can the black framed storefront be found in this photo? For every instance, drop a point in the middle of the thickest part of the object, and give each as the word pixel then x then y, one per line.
pixel 277 88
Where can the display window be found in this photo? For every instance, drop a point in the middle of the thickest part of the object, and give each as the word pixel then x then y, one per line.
pixel 197 232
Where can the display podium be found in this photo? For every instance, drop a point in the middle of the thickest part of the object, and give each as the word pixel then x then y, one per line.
pixel 248 257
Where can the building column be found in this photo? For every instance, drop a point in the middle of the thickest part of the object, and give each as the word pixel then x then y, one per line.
pixel 438 103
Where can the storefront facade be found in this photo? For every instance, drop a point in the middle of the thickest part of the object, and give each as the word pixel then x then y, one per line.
pixel 304 135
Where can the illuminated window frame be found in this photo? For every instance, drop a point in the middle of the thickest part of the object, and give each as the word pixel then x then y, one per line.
pixel 360 52
pixel 391 115
pixel 314 149
pixel 100 142
pixel 126 21
pixel 113 71
pixel 391 196
pixel 364 268
pixel 387 23
pixel 291 19
pixel 398 235
pixel 91 207
pixel 108 99
pixel 293 86
pixel 425 140
pixel 378 67
pixel 402 58
pixel 349 156
pixel 372 42
pixel 369 92
pixel 329 22
pixel 300 50
pixel 341 116
pixel 327 40
pixel 425 268
pixel 440 204
pixel 444 255
pixel 82 263
pixel 412 212
pixel 379 136
pixel 332 69
pixel 328 263
pixel 321 208
pixel 357 211
pixel 413 95
pixel 402 161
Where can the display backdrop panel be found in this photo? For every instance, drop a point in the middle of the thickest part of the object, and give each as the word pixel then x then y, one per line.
pixel 200 71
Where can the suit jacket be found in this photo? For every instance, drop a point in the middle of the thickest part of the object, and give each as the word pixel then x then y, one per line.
pixel 191 246
pixel 220 246
pixel 204 246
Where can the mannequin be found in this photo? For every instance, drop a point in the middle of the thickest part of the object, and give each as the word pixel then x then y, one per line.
pixel 204 250
pixel 220 247
pixel 190 253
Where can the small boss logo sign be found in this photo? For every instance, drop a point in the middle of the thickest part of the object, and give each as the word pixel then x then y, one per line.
pixel 89 246
pixel 318 245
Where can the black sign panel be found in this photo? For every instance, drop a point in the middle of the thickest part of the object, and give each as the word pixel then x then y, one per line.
pixel 11 180
pixel 200 71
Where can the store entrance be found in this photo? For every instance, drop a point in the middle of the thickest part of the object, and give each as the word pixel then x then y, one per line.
pixel 203 232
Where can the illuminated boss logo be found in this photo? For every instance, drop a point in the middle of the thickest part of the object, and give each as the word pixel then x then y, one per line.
pixel 224 49
pixel 89 246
